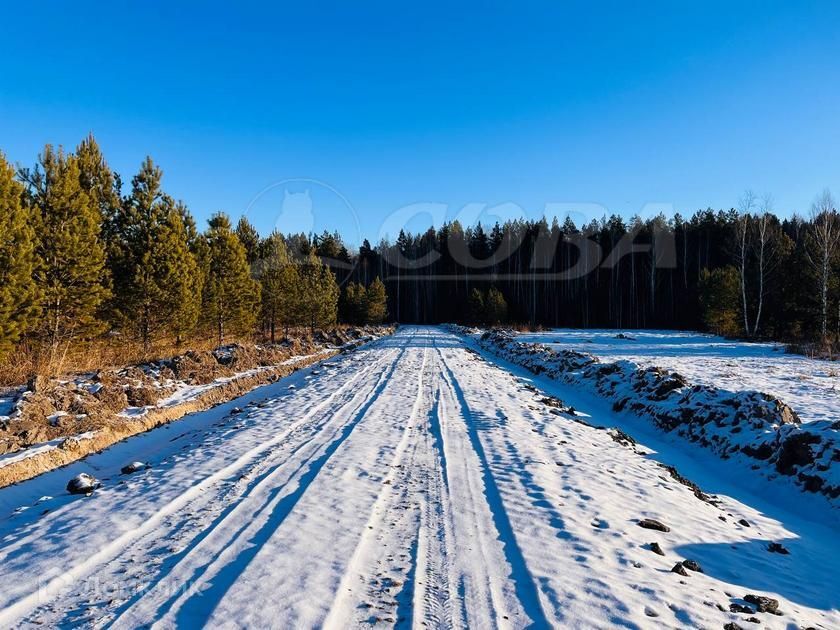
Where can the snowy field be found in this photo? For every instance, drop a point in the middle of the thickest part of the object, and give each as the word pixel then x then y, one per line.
pixel 810 386
pixel 411 483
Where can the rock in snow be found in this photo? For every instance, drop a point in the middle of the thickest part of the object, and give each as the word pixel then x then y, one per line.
pixel 762 603
pixel 83 483
pixel 775 547
pixel 133 467
pixel 650 523
pixel 692 565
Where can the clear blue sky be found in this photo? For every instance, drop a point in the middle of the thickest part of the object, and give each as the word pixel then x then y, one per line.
pixel 686 103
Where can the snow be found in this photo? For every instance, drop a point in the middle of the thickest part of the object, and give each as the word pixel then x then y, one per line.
pixel 419 481
pixel 810 386
pixel 750 425
pixel 8 398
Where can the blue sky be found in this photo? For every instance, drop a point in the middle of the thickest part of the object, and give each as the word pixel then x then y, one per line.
pixel 390 104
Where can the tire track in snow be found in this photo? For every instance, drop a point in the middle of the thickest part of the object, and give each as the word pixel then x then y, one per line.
pixel 232 553
pixel 49 589
pixel 520 578
pixel 380 540
pixel 433 594
pixel 298 571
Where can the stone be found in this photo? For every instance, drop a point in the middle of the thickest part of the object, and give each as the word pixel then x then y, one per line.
pixel 83 483
pixel 36 383
pixel 740 608
pixel 762 603
pixel 692 565
pixel 775 547
pixel 680 569
pixel 655 548
pixel 133 467
pixel 650 523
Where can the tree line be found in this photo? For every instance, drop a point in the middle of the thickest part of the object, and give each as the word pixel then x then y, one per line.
pixel 738 272
pixel 82 256
pixel 80 260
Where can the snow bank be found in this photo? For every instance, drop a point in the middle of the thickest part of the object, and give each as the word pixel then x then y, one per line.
pixel 811 386
pixel 749 424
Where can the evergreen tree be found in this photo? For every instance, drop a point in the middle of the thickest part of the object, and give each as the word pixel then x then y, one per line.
pixel 476 307
pixel 18 294
pixel 231 296
pixel 319 293
pixel 97 179
pixel 495 307
pixel 250 239
pixel 719 294
pixel 156 277
pixel 70 271
pixel 353 307
pixel 376 302
pixel 280 285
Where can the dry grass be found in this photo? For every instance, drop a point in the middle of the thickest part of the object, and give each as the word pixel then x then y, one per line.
pixel 518 327
pixel 30 359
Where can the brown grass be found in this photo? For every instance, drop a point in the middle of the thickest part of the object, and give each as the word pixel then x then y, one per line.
pixel 29 359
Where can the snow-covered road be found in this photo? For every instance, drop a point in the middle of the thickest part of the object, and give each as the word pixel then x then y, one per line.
pixel 412 482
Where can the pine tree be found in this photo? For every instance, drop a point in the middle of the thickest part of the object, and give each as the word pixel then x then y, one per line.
pixel 250 239
pixel 97 179
pixel 719 294
pixel 319 293
pixel 280 285
pixel 328 294
pixel 376 302
pixel 495 307
pixel 18 293
pixel 156 277
pixel 231 296
pixel 476 306
pixel 70 270
pixel 352 303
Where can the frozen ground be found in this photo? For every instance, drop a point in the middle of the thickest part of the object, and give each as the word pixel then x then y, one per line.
pixel 410 483
pixel 810 386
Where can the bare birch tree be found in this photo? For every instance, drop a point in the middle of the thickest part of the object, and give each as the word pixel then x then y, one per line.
pixel 821 246
pixel 742 230
pixel 770 243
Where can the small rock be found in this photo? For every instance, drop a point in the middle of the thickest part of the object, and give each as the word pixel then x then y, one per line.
pixel 763 604
pixel 775 547
pixel 649 523
pixel 134 467
pixel 680 569
pixel 692 565
pixel 753 620
pixel 83 483
pixel 740 608
pixel 732 626
pixel 744 522
pixel 655 548
pixel 36 383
